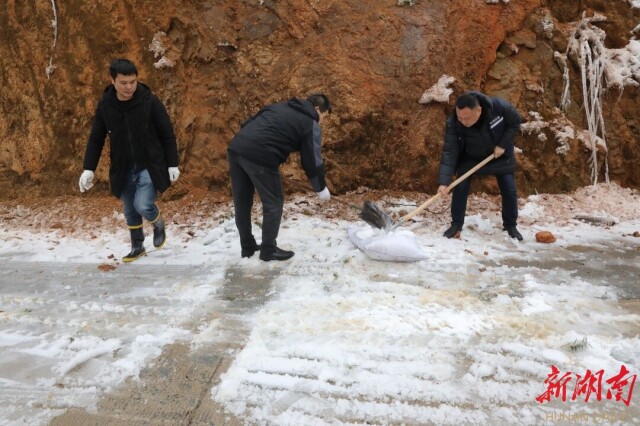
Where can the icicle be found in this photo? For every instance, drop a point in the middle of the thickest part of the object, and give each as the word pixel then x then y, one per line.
pixel 586 43
pixel 54 24
pixel 561 59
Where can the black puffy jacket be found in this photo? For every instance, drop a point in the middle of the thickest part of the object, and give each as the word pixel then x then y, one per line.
pixel 140 136
pixel 279 129
pixel 464 147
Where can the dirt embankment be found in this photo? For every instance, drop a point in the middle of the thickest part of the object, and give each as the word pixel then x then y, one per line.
pixel 216 62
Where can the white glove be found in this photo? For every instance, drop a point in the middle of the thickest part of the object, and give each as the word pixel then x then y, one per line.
pixel 174 173
pixel 86 180
pixel 324 195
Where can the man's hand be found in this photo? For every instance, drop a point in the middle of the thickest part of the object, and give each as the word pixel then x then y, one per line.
pixel 442 190
pixel 498 151
pixel 174 173
pixel 86 180
pixel 324 195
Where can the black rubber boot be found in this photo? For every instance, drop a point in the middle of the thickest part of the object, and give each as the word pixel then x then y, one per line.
pixel 159 235
pixel 137 245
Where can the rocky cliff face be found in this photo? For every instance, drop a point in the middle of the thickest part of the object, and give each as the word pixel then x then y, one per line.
pixel 216 62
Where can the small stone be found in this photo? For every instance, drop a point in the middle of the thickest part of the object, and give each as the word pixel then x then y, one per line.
pixel 106 267
pixel 545 237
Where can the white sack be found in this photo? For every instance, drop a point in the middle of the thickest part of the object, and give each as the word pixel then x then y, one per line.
pixel 397 246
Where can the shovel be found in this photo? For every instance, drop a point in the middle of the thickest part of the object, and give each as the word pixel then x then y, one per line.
pixel 387 220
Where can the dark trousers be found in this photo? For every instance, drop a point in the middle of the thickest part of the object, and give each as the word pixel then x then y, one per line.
pixel 507 184
pixel 248 177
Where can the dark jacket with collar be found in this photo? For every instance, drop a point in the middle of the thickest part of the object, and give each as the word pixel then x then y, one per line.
pixel 464 147
pixel 140 136
pixel 279 129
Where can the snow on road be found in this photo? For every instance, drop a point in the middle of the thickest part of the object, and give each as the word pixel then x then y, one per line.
pixel 467 336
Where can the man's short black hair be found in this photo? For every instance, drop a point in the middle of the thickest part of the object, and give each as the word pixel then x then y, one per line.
pixel 123 67
pixel 468 100
pixel 321 101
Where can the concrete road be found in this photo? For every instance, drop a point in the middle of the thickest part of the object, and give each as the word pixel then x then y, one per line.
pixel 174 389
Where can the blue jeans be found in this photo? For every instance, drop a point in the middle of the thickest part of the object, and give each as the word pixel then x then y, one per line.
pixel 139 198
pixel 507 185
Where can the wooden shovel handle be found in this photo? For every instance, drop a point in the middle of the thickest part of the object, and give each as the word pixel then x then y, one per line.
pixel 451 186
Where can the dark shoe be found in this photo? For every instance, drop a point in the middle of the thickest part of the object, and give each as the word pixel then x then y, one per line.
pixel 513 232
pixel 278 254
pixel 159 236
pixel 135 254
pixel 137 245
pixel 249 251
pixel 453 231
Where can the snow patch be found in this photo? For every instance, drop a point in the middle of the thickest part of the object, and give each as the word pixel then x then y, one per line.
pixel 158 48
pixel 439 92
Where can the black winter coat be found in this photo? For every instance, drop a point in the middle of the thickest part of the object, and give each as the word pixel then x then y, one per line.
pixel 279 129
pixel 140 135
pixel 464 147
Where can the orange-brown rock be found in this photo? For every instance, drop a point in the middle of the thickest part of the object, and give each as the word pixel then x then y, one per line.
pixel 215 62
pixel 545 237
pixel 106 267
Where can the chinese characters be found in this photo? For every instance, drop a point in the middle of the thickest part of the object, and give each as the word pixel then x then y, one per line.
pixel 590 385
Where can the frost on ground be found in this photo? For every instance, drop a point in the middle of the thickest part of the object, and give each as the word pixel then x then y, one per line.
pixel 468 335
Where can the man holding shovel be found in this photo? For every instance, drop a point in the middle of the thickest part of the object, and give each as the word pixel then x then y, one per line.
pixel 265 141
pixel 480 126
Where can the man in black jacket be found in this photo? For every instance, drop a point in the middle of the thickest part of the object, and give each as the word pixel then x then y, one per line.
pixel 144 155
pixel 480 126
pixel 264 142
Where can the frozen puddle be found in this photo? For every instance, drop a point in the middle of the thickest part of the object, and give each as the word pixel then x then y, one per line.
pixel 615 267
